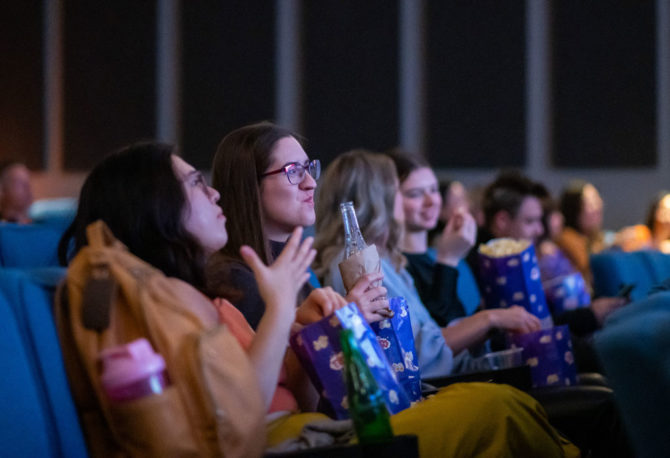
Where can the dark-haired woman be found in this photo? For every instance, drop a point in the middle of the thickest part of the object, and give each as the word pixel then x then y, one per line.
pixel 267 185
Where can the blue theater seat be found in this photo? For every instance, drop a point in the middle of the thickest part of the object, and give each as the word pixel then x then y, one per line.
pixel 28 299
pixel 29 245
pixel 644 269
pixel 54 212
pixel 24 427
pixel 634 348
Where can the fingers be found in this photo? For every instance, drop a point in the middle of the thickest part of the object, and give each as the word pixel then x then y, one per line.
pixel 293 241
pixel 321 302
pixel 450 227
pixel 365 282
pixel 459 220
pixel 252 259
pixel 469 227
pixel 532 323
pixel 297 255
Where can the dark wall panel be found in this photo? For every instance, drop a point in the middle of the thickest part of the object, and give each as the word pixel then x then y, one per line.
pixel 350 75
pixel 21 82
pixel 604 87
pixel 228 71
pixel 475 83
pixel 110 60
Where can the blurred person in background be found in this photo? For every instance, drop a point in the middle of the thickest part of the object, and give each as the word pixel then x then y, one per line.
pixel 582 209
pixel 16 195
pixel 658 222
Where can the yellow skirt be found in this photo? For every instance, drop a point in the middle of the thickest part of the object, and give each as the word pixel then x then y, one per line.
pixel 465 420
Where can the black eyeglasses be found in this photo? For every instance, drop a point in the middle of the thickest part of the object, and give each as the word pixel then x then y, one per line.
pixel 295 172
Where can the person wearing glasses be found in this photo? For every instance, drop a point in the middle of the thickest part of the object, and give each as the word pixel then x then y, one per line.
pixel 267 185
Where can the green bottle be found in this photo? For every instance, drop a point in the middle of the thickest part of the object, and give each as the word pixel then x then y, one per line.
pixel 366 401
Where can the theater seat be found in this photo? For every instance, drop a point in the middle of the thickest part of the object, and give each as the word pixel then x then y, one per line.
pixel 24 427
pixel 634 348
pixel 644 269
pixel 29 245
pixel 29 299
pixel 57 212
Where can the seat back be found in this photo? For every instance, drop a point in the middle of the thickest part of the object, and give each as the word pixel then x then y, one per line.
pixel 29 245
pixel 54 212
pixel 644 269
pixel 634 348
pixel 29 296
pixel 24 427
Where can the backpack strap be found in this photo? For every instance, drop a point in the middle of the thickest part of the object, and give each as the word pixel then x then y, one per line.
pixel 98 296
pixel 99 235
pixel 100 290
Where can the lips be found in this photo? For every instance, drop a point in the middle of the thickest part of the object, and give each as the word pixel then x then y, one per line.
pixel 430 215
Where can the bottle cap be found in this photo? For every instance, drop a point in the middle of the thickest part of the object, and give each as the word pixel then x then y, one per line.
pixel 129 363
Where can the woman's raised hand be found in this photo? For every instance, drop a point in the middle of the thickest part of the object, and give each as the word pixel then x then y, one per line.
pixel 370 296
pixel 458 237
pixel 279 283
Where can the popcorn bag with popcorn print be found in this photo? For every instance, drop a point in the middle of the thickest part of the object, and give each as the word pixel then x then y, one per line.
pixel 510 276
pixel 396 339
pixel 548 352
pixel 318 349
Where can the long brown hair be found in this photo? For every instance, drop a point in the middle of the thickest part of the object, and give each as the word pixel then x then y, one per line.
pixel 241 158
pixel 369 180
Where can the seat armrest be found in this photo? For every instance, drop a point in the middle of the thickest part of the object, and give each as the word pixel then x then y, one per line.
pixel 518 377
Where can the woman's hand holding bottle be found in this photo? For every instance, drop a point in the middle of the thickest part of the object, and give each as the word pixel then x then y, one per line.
pixel 370 296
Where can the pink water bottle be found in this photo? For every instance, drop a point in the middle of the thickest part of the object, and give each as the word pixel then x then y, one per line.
pixel 132 371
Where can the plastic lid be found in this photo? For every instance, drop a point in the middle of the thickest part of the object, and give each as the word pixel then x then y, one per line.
pixel 129 363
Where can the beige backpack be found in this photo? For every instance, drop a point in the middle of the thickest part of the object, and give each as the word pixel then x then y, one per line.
pixel 213 405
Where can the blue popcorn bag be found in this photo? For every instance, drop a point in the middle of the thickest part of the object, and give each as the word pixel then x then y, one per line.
pixel 396 339
pixel 567 292
pixel 549 354
pixel 318 349
pixel 511 276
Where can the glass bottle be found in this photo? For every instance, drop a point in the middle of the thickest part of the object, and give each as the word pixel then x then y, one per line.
pixel 353 239
pixel 366 401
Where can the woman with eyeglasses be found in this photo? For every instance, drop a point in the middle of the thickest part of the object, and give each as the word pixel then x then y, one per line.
pixel 267 185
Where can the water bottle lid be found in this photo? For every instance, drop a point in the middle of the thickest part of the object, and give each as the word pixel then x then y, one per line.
pixel 129 363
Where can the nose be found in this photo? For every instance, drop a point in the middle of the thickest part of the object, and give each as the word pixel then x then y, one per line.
pixel 427 200
pixel 308 182
pixel 214 194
